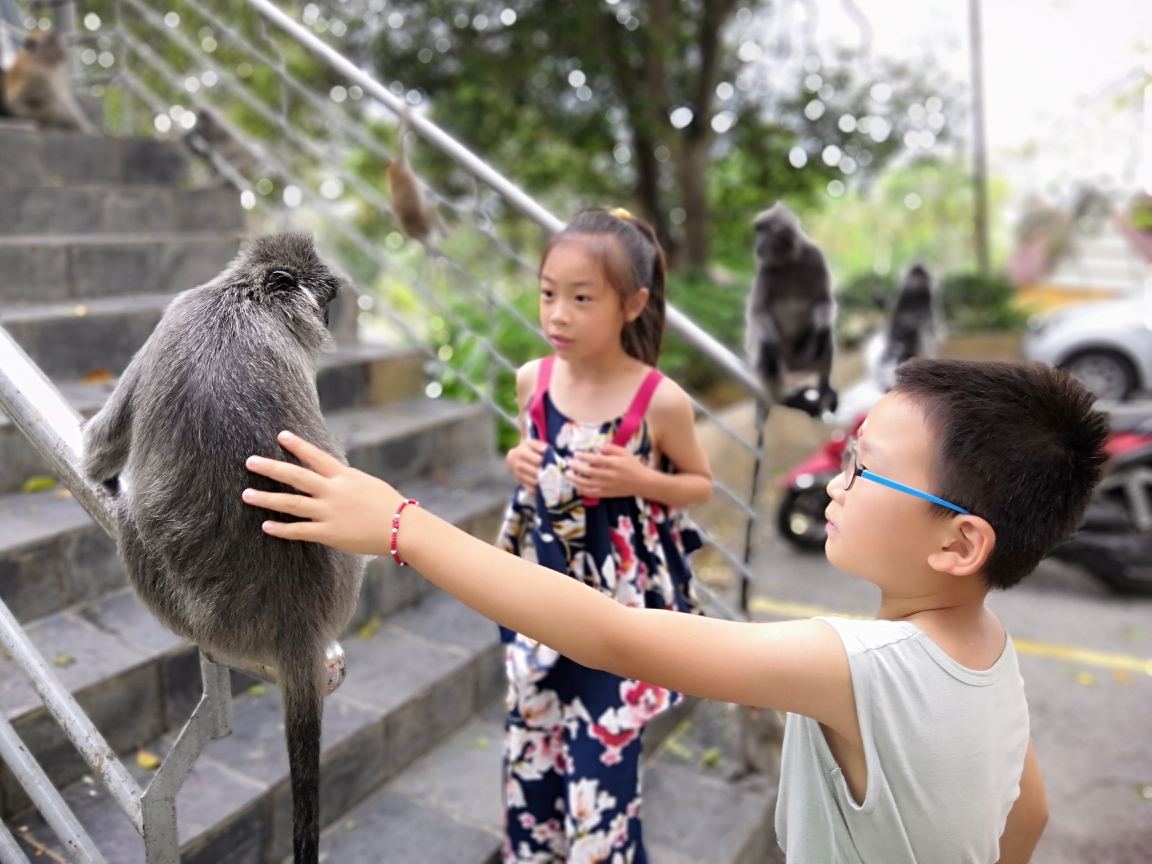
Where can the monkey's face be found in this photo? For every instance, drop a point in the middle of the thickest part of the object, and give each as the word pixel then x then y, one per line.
pixel 45 46
pixel 777 241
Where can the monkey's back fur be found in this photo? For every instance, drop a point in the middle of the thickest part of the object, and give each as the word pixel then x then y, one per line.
pixel 231 364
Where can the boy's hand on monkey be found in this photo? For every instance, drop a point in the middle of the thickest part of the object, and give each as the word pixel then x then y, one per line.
pixel 348 509
pixel 609 472
pixel 524 461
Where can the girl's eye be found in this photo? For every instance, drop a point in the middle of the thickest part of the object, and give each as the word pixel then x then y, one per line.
pixel 581 298
pixel 546 293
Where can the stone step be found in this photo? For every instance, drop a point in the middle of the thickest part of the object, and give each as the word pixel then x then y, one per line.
pixel 52 555
pixel 32 157
pixel 351 376
pixel 411 683
pixel 53 211
pixel 82 268
pixel 116 658
pixel 447 806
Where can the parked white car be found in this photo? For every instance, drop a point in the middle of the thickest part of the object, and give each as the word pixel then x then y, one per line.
pixel 1107 346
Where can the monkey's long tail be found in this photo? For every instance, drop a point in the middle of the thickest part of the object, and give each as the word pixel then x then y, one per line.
pixel 302 690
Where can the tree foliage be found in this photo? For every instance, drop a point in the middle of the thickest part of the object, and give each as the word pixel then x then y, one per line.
pixel 663 105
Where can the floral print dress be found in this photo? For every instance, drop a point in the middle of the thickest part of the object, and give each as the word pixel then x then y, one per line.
pixel 572 739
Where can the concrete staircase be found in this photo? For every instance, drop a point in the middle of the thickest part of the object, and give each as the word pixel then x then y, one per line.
pixel 96 235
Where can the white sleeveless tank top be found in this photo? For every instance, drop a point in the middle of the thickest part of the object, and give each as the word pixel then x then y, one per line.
pixel 944 747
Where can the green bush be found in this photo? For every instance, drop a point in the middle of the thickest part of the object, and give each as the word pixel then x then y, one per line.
pixel 718 307
pixel 973 302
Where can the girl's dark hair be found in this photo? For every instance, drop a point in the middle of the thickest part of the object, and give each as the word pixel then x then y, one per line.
pixel 629 255
pixel 1017 444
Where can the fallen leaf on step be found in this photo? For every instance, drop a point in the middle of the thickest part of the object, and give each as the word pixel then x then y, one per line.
pixel 482 742
pixel 1121 676
pixel 147 761
pixel 257 690
pixel 350 824
pixel 63 659
pixel 1086 678
pixel 39 483
pixel 98 376
pixel 62 493
pixel 369 629
pixel 710 758
pixel 81 309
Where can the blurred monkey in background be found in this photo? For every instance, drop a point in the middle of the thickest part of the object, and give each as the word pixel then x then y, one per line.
pixel 911 330
pixel 790 312
pixel 36 85
pixel 417 217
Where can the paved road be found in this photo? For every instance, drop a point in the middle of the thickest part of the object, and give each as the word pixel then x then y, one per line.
pixel 1091 724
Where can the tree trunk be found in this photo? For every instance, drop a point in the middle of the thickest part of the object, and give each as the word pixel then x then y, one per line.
pixel 691 175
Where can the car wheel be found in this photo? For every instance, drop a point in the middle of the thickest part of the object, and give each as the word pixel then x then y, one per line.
pixel 1106 374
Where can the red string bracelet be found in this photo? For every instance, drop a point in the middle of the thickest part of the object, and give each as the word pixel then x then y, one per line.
pixel 396 528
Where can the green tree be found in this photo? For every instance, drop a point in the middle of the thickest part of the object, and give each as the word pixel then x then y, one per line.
pixel 615 101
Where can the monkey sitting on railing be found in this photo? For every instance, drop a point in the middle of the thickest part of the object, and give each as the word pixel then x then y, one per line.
pixel 36 85
pixel 790 312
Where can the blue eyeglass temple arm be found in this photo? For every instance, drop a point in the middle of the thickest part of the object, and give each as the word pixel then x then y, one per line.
pixel 892 484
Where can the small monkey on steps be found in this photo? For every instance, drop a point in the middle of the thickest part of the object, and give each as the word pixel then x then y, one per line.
pixel 36 86
pixel 417 217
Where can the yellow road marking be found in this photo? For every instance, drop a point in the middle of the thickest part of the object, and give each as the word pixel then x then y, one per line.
pixel 1023 646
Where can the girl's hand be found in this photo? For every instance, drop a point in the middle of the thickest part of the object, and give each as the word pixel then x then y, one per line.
pixel 524 461
pixel 348 509
pixel 611 472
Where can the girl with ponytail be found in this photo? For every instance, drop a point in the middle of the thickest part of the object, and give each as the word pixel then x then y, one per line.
pixel 608 462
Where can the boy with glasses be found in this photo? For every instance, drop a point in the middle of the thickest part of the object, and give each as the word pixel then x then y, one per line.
pixel 907 738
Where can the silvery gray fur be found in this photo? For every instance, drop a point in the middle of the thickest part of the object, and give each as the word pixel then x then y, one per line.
pixel 231 364
pixel 790 310
pixel 911 331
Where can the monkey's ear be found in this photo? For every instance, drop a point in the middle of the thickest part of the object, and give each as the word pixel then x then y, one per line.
pixel 280 280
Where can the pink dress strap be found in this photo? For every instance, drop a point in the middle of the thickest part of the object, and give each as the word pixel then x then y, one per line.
pixel 536 406
pixel 632 418
pixel 639 407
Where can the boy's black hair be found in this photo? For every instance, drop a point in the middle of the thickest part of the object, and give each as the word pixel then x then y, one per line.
pixel 1016 444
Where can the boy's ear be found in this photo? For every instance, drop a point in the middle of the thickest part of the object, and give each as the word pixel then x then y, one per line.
pixel 968 541
pixel 635 304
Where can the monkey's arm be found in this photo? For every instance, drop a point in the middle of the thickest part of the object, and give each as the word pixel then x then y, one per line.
pixel 108 435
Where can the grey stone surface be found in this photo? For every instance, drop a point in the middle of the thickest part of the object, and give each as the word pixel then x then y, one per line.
pixel 53 211
pixel 414 438
pixel 33 274
pixel 392 829
pixel 462 777
pixel 73 340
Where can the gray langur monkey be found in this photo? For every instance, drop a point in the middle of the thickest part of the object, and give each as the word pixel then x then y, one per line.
pixel 911 329
pixel 790 311
pixel 36 85
pixel 417 217
pixel 231 364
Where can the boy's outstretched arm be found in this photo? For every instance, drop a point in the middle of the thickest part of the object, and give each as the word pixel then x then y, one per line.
pixel 797 666
pixel 1028 815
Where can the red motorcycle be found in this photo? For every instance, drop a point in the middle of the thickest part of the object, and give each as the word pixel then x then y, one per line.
pixel 800 517
pixel 1114 543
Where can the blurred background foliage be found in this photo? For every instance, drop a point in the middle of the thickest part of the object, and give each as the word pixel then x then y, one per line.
pixel 687 112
